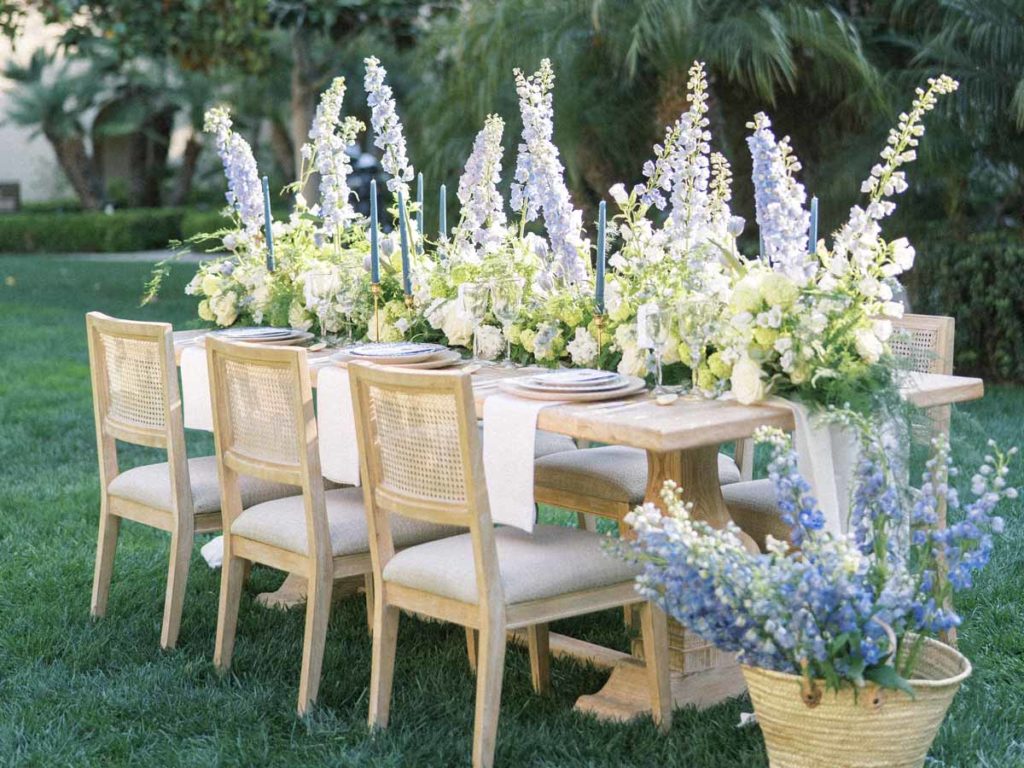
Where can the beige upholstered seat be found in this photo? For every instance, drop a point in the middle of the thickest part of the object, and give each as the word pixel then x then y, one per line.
pixel 420 451
pixel 551 442
pixel 551 561
pixel 612 472
pixel 282 523
pixel 752 507
pixel 151 485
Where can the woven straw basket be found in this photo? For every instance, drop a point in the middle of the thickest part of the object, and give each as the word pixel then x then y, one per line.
pixel 882 729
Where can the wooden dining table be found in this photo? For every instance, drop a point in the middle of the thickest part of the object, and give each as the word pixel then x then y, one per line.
pixel 682 440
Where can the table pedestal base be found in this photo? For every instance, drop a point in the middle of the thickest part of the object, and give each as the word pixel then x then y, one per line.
pixel 627 695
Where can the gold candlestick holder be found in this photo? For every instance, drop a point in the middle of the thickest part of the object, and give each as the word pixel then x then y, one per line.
pixel 408 300
pixel 599 323
pixel 375 290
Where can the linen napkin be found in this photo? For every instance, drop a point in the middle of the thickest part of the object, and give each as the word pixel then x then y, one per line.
pixel 195 389
pixel 826 457
pixel 510 433
pixel 336 425
pixel 213 552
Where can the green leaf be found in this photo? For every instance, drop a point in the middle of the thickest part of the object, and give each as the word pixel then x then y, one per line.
pixel 887 677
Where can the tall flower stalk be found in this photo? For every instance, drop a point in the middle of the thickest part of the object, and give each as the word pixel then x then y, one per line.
pixel 387 128
pixel 482 222
pixel 539 185
pixel 779 199
pixel 327 152
pixel 245 193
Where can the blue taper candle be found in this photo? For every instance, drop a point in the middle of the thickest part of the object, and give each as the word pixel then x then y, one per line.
pixel 419 212
pixel 403 226
pixel 599 291
pixel 442 215
pixel 374 246
pixel 268 224
pixel 812 241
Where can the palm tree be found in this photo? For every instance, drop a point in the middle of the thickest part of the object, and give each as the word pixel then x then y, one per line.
pixel 623 68
pixel 52 100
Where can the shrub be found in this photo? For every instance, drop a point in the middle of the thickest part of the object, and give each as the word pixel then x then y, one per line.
pixel 977 281
pixel 203 221
pixel 128 230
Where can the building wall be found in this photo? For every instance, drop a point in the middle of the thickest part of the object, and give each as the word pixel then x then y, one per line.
pixel 24 159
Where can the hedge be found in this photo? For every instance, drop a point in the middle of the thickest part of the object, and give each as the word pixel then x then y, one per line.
pixel 980 282
pixel 129 230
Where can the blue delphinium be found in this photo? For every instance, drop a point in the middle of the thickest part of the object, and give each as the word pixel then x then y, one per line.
pixel 387 128
pixel 245 192
pixel 830 607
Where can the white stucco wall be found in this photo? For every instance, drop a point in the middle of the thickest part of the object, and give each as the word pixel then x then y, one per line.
pixel 24 159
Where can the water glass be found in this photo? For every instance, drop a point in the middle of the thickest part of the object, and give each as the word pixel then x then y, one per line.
pixel 506 301
pixel 472 305
pixel 656 326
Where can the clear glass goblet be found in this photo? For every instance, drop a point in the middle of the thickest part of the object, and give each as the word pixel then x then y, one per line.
pixel 506 301
pixel 472 305
pixel 656 326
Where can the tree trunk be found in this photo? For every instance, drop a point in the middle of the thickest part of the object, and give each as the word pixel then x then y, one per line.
pixel 281 146
pixel 303 102
pixel 187 171
pixel 78 167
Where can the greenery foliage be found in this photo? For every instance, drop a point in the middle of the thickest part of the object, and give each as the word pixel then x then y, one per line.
pixel 90 231
pixel 977 281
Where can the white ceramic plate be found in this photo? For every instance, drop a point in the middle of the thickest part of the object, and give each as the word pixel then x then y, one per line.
pixel 442 359
pixel 633 386
pixel 398 350
pixel 576 378
pixel 538 383
pixel 293 337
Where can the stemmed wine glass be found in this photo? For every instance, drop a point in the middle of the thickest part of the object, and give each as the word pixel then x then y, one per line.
pixel 656 325
pixel 696 320
pixel 472 304
pixel 321 289
pixel 506 301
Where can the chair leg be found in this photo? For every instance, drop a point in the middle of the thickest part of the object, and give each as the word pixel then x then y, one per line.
pixel 104 570
pixel 472 647
pixel 318 611
pixel 368 588
pixel 382 668
pixel 654 628
pixel 177 579
pixel 232 571
pixel 489 674
pixel 537 638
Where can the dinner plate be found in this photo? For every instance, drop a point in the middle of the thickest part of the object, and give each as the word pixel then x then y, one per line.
pixel 295 337
pixel 253 332
pixel 538 383
pixel 394 353
pixel 632 387
pixel 576 378
pixel 442 359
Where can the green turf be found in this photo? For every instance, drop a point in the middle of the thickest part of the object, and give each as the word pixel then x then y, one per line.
pixel 78 692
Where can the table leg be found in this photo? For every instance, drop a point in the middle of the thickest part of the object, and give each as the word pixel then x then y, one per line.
pixel 701 675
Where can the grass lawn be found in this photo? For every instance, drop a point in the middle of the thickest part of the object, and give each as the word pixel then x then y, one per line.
pixel 78 692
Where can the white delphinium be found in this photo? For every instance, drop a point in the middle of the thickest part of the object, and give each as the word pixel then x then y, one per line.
pixel 779 199
pixel 858 245
pixel 583 348
pixel 539 186
pixel 245 192
pixel 482 223
pixel 690 168
pixel 387 128
pixel 330 139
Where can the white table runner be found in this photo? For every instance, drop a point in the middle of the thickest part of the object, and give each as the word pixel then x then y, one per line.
pixel 510 434
pixel 336 426
pixel 195 389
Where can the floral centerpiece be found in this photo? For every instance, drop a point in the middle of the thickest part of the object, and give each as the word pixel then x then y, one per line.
pixel 844 613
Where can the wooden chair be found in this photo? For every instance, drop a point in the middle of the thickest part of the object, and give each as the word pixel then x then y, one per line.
pixel 136 400
pixel 421 458
pixel 921 343
pixel 264 426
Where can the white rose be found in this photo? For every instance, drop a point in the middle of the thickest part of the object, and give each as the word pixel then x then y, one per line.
pixel 634 361
pixel 457 326
pixel 883 330
pixel 224 308
pixel 299 318
pixel 204 311
pixel 619 194
pixel 210 285
pixel 583 348
pixel 747 382
pixel 490 342
pixel 868 346
pixel 892 309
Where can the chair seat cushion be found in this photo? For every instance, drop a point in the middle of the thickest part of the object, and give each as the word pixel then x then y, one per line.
pixel 282 523
pixel 550 561
pixel 551 442
pixel 752 506
pixel 612 472
pixel 151 485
